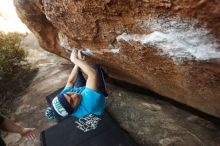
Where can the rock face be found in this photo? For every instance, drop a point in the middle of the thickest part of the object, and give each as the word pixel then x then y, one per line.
pixel 157 123
pixel 151 122
pixel 168 46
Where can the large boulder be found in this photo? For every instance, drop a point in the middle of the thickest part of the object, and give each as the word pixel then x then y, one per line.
pixel 168 46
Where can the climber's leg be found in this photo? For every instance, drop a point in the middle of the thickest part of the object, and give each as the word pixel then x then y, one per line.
pixel 100 79
pixel 80 80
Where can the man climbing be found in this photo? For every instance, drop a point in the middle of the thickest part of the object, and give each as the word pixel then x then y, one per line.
pixel 10 126
pixel 80 97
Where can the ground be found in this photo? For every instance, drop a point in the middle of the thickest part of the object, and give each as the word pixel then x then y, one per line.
pixel 148 119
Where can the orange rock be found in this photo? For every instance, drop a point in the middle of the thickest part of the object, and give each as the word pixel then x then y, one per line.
pixel 170 47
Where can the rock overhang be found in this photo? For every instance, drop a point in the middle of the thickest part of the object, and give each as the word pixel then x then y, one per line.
pixel 170 47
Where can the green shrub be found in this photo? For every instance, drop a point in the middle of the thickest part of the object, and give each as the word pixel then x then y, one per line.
pixel 15 72
pixel 11 54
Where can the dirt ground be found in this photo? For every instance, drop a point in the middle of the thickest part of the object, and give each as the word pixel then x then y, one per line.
pixel 148 119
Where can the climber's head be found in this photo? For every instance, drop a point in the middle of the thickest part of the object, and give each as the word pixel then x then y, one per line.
pixel 63 105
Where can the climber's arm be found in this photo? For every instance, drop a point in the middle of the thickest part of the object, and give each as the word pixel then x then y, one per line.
pixel 10 126
pixel 87 69
pixel 72 76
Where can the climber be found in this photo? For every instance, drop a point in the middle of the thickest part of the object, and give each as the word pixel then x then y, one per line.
pixel 10 126
pixel 80 97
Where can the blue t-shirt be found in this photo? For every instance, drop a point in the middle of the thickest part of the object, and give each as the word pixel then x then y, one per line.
pixel 92 102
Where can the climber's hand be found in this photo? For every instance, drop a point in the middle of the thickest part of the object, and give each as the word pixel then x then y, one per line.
pixel 73 56
pixel 29 133
pixel 80 55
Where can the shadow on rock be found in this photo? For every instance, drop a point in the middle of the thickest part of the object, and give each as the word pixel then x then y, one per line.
pixel 12 87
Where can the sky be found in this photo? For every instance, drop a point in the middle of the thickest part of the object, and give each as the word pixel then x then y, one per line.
pixel 9 21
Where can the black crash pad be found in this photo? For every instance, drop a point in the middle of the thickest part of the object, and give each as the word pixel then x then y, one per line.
pixel 88 131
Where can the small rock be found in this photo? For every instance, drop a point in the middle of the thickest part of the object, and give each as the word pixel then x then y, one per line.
pixel 152 107
pixel 170 141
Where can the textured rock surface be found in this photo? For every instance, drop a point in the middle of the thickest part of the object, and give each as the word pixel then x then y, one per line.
pixel 168 46
pixel 151 122
pixel 158 123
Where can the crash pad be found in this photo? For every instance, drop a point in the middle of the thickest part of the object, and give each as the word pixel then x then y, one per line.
pixel 91 130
